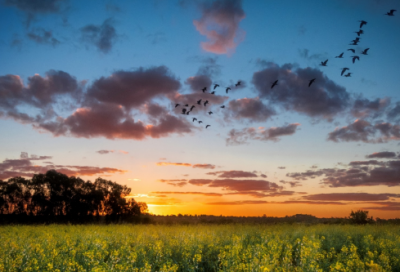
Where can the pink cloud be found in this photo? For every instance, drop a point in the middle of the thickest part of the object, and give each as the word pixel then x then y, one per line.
pixel 220 24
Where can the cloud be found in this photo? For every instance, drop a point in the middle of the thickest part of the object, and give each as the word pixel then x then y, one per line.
pixel 261 195
pixel 382 155
pixel 363 108
pixel 189 193
pixel 252 109
pixel 204 166
pixel 105 151
pixel 251 202
pixel 154 110
pixel 174 182
pixel 350 197
pixel 220 24
pixel 324 99
pixel 364 131
pixel 393 114
pixel 197 83
pixel 103 36
pixel 174 163
pixel 291 183
pixel 233 174
pixel 24 167
pixel 134 88
pixel 384 206
pixel 281 167
pixel 42 36
pixel 238 137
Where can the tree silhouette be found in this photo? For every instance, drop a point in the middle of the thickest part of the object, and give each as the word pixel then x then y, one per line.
pixel 360 217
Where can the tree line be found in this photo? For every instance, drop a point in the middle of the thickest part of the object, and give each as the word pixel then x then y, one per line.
pixel 55 197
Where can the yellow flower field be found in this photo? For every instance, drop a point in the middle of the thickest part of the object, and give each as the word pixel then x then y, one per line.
pixel 199 248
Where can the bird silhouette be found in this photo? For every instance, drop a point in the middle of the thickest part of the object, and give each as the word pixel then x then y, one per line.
pixel 200 122
pixel 212 92
pixel 274 84
pixel 194 119
pixel 340 56
pixel 323 63
pixel 210 112
pixel 227 89
pixel 357 39
pixel 348 75
pixel 187 112
pixel 364 52
pixel 208 126
pixel 187 105
pixel 344 70
pixel 359 32
pixel 362 22
pixel 390 13
pixel 183 111
pixel 355 58
pixel 223 107
pixel 238 84
pixel 352 50
pixel 176 105
pixel 311 82
pixel 204 89
pixel 354 43
pixel 192 107
pixel 205 103
pixel 199 102
pixel 215 86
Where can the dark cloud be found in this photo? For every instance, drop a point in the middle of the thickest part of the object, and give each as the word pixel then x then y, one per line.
pixel 197 83
pixel 362 130
pixel 189 193
pixel 134 88
pixel 174 182
pixel 25 168
pixel 220 24
pixel 291 183
pixel 154 110
pixel 370 162
pixel 382 155
pixel 252 109
pixel 204 166
pixel 42 36
pixel 384 206
pixel 103 36
pixel 237 137
pixel 350 197
pixel 233 174
pixel 261 195
pixel 324 99
pixel 363 108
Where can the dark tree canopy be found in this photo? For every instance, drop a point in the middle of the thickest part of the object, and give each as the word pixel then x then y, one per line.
pixel 55 195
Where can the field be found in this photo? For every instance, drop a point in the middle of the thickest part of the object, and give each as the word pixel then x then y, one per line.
pixel 230 247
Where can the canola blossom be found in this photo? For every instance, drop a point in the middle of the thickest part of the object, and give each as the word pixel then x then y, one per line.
pixel 227 247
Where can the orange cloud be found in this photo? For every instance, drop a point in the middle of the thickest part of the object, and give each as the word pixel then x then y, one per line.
pixel 189 193
pixel 173 163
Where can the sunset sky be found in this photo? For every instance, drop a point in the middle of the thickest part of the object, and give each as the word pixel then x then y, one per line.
pixel 89 88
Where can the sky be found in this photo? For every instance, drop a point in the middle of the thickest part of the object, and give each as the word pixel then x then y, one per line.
pixel 98 89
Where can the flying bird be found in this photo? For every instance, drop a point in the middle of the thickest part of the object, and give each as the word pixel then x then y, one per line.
pixel 354 43
pixel 210 112
pixel 187 105
pixel 348 75
pixel 362 22
pixel 183 111
pixel 238 84
pixel 205 103
pixel 227 89
pixel 176 105
pixel 274 84
pixel 323 63
pixel 352 50
pixel 311 82
pixel 194 119
pixel 187 113
pixel 340 56
pixel 192 107
pixel 357 39
pixel 390 13
pixel 199 102
pixel 223 107
pixel 344 70
pixel 355 58
pixel 200 122
pixel 364 52
pixel 208 126
pixel 360 32
pixel 204 89
pixel 212 92
pixel 215 86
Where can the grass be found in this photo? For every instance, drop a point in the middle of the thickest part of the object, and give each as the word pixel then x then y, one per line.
pixel 229 247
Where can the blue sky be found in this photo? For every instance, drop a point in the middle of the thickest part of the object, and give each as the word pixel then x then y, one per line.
pixel 121 58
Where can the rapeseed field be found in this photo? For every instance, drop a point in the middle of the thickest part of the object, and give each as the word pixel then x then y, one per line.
pixel 230 247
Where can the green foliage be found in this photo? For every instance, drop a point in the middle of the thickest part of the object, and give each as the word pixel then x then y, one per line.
pixel 231 247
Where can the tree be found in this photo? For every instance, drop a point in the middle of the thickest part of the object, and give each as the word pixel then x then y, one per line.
pixel 360 217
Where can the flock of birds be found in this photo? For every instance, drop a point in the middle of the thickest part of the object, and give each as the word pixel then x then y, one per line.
pixel 275 83
pixel 186 111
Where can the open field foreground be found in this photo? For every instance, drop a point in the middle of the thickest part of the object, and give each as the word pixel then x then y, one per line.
pixel 199 248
